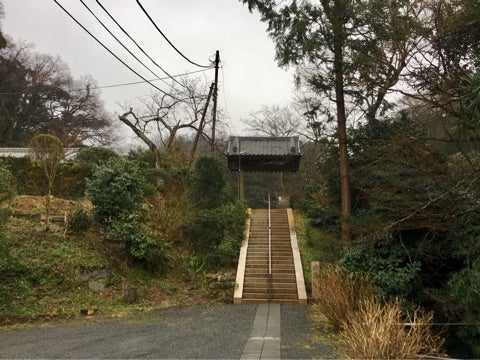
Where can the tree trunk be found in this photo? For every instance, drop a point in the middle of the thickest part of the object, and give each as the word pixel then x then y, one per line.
pixel 47 205
pixel 151 145
pixel 339 68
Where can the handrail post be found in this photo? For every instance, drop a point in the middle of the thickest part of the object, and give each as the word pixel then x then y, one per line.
pixel 269 238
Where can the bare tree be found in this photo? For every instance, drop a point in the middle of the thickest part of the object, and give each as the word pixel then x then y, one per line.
pixel 47 150
pixel 274 121
pixel 164 116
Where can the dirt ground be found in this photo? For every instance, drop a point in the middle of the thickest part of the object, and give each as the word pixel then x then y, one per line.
pixel 36 204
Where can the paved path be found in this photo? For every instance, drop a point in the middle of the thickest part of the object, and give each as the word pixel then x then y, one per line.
pixel 197 332
pixel 264 341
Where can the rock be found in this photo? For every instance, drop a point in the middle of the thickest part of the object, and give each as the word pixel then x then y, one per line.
pixel 96 279
pixel 82 274
pixel 130 295
pixel 99 274
pixel 96 285
pixel 220 281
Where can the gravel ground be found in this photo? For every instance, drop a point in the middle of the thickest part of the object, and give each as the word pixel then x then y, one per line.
pixel 200 332
pixel 297 340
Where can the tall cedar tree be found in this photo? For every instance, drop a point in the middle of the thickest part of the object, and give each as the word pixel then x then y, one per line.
pixel 357 51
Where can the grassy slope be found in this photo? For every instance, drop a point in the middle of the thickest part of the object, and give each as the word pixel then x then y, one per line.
pixel 43 282
pixel 314 245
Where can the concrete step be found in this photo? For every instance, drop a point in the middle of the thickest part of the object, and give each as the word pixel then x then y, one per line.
pixel 280 286
pixel 264 255
pixel 274 244
pixel 259 283
pixel 264 247
pixel 278 296
pixel 277 278
pixel 275 262
pixel 264 271
pixel 277 286
pixel 292 293
pixel 275 254
pixel 258 253
pixel 263 284
pixel 274 266
pixel 266 301
pixel 264 262
pixel 277 269
pixel 257 242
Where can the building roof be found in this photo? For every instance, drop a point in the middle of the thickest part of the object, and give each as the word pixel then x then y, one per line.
pixel 70 153
pixel 263 145
pixel 262 153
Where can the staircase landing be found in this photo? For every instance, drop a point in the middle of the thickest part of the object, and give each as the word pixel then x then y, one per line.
pixel 283 281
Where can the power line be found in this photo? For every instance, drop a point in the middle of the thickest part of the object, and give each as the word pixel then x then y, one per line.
pixel 113 85
pixel 165 37
pixel 118 41
pixel 141 82
pixel 111 52
pixel 224 94
pixel 138 46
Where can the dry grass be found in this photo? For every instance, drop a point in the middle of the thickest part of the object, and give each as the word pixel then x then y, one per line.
pixel 371 328
pixel 45 287
pixel 339 295
pixel 27 204
pixel 377 331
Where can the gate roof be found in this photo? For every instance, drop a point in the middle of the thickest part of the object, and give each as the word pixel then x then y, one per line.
pixel 263 153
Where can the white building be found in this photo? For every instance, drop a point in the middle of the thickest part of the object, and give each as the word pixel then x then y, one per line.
pixel 70 153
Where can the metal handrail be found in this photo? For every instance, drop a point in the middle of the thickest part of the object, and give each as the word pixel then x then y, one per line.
pixel 269 238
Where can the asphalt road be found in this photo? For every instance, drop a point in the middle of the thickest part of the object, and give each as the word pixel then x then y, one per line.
pixel 198 332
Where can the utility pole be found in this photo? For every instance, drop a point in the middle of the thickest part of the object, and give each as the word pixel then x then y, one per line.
pixel 202 122
pixel 215 93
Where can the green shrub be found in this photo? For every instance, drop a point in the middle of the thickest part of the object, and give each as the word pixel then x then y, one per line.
pixel 208 186
pixel 11 271
pixel 95 156
pixel 79 222
pixel 26 175
pixel 215 232
pixel 7 191
pixel 71 180
pixel 116 189
pixel 146 162
pixel 464 290
pixel 7 188
pixel 215 235
pixel 388 268
pixel 29 178
pixel 320 208
pixel 134 233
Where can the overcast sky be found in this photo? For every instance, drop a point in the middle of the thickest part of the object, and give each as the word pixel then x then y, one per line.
pixel 248 79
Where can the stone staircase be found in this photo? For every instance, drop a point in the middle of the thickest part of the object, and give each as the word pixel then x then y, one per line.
pixel 285 283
